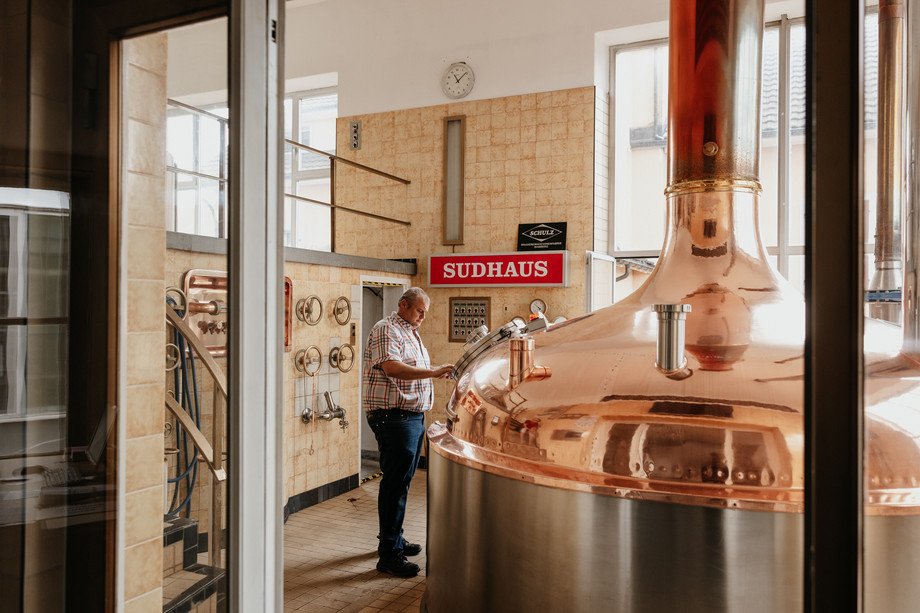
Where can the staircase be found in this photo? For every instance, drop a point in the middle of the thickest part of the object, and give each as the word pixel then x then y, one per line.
pixel 189 586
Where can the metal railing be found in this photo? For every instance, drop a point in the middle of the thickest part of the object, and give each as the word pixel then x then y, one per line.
pixel 333 160
pixel 211 451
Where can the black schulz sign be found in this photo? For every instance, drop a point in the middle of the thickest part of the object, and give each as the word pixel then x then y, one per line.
pixel 541 236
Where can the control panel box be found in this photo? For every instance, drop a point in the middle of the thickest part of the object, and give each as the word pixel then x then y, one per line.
pixel 467 314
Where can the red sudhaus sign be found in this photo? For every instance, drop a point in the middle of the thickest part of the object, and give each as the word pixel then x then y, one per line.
pixel 539 268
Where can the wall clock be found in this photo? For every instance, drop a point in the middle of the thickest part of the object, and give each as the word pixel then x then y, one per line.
pixel 458 80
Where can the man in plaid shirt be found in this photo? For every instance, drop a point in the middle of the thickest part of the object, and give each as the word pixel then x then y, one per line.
pixel 397 391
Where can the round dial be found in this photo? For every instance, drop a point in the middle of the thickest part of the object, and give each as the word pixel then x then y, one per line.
pixel 537 306
pixel 458 80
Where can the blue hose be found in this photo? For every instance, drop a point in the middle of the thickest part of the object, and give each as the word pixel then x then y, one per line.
pixel 186 465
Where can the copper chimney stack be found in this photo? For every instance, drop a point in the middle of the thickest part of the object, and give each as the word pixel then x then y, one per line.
pixel 887 278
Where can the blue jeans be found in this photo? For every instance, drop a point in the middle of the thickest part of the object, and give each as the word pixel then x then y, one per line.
pixel 400 435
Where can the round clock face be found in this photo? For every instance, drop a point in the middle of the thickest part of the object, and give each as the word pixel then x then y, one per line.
pixel 458 80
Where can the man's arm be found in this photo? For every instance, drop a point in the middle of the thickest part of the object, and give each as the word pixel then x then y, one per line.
pixel 400 370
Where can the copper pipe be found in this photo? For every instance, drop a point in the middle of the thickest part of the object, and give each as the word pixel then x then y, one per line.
pixel 890 151
pixel 714 95
pixel 213 307
pixel 521 367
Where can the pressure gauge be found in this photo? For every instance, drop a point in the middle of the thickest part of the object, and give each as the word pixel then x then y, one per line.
pixel 519 321
pixel 537 306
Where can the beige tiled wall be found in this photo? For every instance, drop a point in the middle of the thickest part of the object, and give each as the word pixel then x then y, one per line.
pixel 321 452
pixel 144 237
pixel 528 159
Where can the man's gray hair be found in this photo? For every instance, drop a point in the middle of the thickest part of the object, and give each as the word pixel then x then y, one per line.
pixel 412 293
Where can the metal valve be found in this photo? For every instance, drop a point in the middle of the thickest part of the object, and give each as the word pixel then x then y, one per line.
pixel 342 357
pixel 342 310
pixel 309 310
pixel 309 360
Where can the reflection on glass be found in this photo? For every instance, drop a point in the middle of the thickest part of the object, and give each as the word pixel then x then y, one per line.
pixel 631 273
pixel 42 476
pixel 34 302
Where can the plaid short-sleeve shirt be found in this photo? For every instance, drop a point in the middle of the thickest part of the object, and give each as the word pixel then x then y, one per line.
pixel 393 338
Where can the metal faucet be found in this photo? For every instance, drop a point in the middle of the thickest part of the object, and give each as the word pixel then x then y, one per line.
pixel 333 411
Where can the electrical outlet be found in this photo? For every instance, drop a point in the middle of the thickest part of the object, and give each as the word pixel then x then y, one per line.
pixel 355 134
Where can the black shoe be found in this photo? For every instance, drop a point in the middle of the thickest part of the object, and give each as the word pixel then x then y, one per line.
pixel 399 566
pixel 411 549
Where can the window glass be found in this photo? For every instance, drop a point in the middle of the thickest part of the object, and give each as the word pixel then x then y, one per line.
pixel 180 144
pixel 288 118
pixel 640 120
pixel 797 127
pixel 870 145
pixel 317 128
pixel 311 225
pixel 209 207
pixel 306 173
pixel 197 161
pixel 769 139
pixel 210 141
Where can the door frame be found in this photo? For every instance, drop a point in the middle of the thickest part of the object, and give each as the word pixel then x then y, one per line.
pixel 372 281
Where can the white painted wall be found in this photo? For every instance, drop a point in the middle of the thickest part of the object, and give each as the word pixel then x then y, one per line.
pixel 390 54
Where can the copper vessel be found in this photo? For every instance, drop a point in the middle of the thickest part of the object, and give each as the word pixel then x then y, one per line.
pixel 587 473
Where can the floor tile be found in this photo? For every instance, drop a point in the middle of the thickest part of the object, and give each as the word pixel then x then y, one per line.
pixel 330 554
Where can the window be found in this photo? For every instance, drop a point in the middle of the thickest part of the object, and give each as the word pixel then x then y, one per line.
pixel 196 169
pixel 309 119
pixel 639 133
